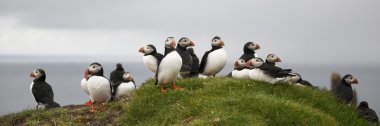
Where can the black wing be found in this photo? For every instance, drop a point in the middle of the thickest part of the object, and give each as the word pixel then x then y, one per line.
pixel 43 93
pixel 274 71
pixel 203 62
pixel 159 57
pixel 247 57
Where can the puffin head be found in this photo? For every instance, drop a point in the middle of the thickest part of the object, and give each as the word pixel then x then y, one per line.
pixel 349 79
pixel 255 62
pixel 127 76
pixel 217 42
pixel 252 46
pixel 95 69
pixel 240 63
pixel 170 42
pixel 295 77
pixel 148 49
pixel 363 104
pixel 185 42
pixel 38 73
pixel 273 58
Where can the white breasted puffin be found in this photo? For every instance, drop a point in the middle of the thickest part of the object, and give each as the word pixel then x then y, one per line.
pixel 262 75
pixel 151 57
pixel 170 66
pixel 240 70
pixel 367 113
pixel 195 65
pixel 249 51
pixel 124 87
pixel 187 61
pixel 41 90
pixel 213 61
pixel 271 60
pixel 99 87
pixel 344 90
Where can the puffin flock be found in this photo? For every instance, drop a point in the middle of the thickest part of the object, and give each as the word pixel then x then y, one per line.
pixel 180 61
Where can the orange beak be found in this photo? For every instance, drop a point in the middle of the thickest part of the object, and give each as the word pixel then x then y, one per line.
pixel 174 44
pixel 236 64
pixel 356 81
pixel 222 42
pixel 192 43
pixel 142 50
pixel 278 59
pixel 32 74
pixel 249 63
pixel 86 72
pixel 258 47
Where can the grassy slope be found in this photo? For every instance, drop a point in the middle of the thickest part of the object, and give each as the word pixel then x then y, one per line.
pixel 215 101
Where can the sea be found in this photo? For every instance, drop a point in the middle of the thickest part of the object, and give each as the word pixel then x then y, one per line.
pixel 15 94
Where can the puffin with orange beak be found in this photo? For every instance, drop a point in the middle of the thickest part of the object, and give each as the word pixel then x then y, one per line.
pixel 214 60
pixel 344 90
pixel 41 90
pixel 249 51
pixel 99 87
pixel 170 65
pixel 151 57
pixel 270 65
pixel 187 60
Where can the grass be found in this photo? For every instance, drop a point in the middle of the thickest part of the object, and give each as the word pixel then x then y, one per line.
pixel 214 101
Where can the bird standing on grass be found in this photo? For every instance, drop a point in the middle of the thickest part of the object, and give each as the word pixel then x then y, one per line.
pixel 41 90
pixel 214 60
pixel 344 90
pixel 170 66
pixel 99 87
pixel 151 57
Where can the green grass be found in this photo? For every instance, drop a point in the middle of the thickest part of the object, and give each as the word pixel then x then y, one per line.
pixel 215 101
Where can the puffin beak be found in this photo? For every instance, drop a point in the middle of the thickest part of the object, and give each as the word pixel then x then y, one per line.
pixel 278 59
pixel 236 64
pixel 192 43
pixel 32 75
pixel 258 47
pixel 221 42
pixel 86 72
pixel 356 81
pixel 174 44
pixel 249 64
pixel 142 50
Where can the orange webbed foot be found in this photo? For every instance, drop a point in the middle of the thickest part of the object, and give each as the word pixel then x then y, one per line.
pixel 89 103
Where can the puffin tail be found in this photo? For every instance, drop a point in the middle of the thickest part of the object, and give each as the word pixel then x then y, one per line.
pixel 53 104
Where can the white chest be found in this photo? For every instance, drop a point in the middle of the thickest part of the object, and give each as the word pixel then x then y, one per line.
pixel 216 61
pixel 241 74
pixel 169 67
pixel 150 62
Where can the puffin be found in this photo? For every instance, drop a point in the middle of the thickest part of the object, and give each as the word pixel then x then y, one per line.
pixel 240 70
pixel 116 76
pixel 187 61
pixel 297 80
pixel 367 113
pixel 99 87
pixel 249 51
pixel 257 73
pixel 344 90
pixel 214 60
pixel 271 62
pixel 42 92
pixel 194 72
pixel 151 57
pixel 170 66
pixel 124 87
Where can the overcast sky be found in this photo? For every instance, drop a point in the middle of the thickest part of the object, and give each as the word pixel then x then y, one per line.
pixel 299 31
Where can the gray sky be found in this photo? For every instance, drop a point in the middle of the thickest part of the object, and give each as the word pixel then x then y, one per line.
pixel 299 31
